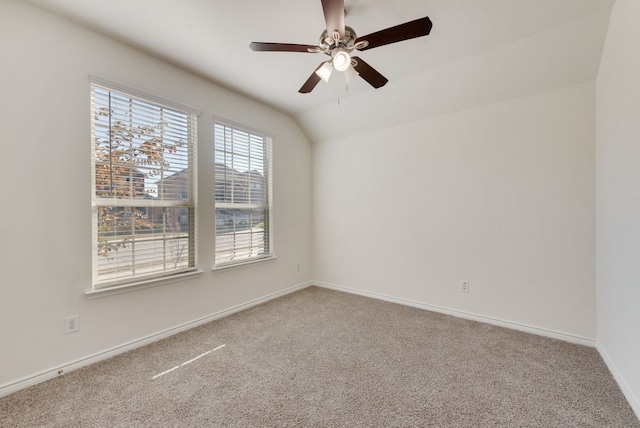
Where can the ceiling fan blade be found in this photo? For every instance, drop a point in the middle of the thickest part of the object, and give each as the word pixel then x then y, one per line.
pixel 311 82
pixel 334 16
pixel 369 73
pixel 282 47
pixel 408 30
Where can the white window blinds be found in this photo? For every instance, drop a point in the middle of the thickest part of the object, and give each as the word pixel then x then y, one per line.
pixel 143 196
pixel 242 195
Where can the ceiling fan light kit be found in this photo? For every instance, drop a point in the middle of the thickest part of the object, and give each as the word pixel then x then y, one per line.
pixel 350 74
pixel 338 41
pixel 341 59
pixel 325 71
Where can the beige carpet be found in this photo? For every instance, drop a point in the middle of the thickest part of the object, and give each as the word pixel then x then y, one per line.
pixel 320 358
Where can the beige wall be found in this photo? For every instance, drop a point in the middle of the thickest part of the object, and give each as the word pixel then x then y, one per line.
pixel 618 199
pixel 501 196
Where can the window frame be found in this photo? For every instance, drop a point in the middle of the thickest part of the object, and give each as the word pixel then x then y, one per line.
pixel 268 196
pixel 147 102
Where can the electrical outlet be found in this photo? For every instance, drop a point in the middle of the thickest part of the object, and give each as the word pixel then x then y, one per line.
pixel 464 287
pixel 71 324
pixel 297 267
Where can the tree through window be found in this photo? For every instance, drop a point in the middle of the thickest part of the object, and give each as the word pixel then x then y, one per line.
pixel 143 161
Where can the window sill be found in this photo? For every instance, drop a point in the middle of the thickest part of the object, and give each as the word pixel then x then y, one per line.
pixel 94 294
pixel 243 264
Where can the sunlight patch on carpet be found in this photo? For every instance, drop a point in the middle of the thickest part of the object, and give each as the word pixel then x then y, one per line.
pixel 187 362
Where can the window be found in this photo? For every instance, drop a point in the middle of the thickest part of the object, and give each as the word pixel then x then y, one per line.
pixel 242 195
pixel 143 195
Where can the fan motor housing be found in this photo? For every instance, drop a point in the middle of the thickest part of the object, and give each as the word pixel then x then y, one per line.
pixel 327 42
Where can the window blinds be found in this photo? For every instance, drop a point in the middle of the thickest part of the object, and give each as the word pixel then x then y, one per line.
pixel 242 195
pixel 143 196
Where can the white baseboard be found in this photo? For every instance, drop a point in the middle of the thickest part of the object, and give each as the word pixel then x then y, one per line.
pixel 466 315
pixel 28 381
pixel 628 392
pixel 634 402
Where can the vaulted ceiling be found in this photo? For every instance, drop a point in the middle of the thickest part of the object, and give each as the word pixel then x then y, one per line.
pixel 479 51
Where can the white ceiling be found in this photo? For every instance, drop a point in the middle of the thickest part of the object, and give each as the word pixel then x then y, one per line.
pixel 479 51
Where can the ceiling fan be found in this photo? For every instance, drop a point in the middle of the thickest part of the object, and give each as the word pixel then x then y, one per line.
pixel 339 40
